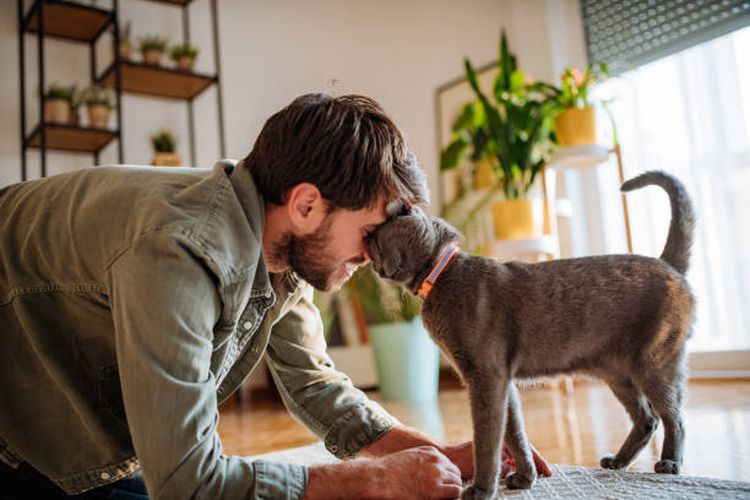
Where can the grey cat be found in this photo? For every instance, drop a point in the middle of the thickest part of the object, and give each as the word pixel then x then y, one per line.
pixel 621 318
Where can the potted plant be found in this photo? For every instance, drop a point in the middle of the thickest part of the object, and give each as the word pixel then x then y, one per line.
pixel 184 56
pixel 98 101
pixel 512 135
pixel 152 48
pixel 406 358
pixel 575 123
pixel 125 48
pixel 164 145
pixel 57 101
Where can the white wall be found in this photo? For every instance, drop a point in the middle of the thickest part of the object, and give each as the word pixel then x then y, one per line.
pixel 397 51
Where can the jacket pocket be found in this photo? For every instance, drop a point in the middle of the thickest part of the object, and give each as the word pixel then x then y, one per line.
pixel 110 392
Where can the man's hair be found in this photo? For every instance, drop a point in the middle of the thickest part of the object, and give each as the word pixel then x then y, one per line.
pixel 346 146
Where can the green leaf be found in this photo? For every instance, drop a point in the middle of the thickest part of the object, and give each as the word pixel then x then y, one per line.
pixel 464 119
pixel 517 80
pixel 451 156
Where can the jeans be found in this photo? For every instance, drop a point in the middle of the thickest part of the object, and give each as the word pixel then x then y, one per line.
pixel 26 483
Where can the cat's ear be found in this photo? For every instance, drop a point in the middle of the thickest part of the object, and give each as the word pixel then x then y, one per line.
pixel 445 232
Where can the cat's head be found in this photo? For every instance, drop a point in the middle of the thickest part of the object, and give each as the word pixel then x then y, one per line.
pixel 404 249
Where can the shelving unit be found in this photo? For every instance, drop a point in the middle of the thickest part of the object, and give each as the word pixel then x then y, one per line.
pixel 74 22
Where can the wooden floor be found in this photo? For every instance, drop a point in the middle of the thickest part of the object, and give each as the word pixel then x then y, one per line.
pixel 567 429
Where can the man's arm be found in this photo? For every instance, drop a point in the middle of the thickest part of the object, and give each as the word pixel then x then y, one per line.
pixel 164 306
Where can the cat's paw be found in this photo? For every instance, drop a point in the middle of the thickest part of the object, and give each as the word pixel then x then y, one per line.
pixel 517 481
pixel 667 467
pixel 474 493
pixel 611 462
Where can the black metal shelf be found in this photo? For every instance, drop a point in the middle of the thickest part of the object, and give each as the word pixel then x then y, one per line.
pixel 71 21
pixel 68 20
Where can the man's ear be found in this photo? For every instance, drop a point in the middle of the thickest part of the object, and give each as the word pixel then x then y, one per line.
pixel 305 207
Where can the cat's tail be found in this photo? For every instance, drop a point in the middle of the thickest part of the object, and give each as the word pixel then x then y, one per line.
pixel 680 238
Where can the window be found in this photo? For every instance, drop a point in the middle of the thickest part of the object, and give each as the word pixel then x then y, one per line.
pixel 689 114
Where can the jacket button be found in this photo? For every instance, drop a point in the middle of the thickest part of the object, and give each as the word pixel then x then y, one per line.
pixel 247 325
pixel 104 475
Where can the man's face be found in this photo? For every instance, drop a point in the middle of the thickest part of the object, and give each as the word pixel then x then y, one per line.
pixel 328 256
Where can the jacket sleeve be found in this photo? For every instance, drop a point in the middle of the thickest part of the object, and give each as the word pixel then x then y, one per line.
pixel 318 395
pixel 165 304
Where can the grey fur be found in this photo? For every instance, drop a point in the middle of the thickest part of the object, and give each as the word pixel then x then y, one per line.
pixel 621 318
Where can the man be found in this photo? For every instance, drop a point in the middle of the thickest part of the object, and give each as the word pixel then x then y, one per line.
pixel 134 300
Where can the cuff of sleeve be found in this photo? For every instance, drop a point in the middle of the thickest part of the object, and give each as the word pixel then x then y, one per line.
pixel 276 480
pixel 358 428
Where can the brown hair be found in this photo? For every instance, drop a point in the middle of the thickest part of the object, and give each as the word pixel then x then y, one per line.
pixel 346 146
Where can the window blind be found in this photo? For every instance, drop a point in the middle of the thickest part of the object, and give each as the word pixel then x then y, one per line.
pixel 629 33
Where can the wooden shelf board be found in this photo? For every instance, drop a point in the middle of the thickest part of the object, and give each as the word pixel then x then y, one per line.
pixel 157 81
pixel 72 138
pixel 69 20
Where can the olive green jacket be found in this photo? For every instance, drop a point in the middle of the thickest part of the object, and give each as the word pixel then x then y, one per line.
pixel 133 300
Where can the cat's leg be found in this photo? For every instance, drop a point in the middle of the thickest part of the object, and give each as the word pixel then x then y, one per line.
pixel 489 398
pixel 515 438
pixel 665 389
pixel 642 415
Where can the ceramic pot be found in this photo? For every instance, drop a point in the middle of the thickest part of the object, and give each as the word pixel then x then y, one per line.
pixel 516 219
pixel 185 63
pixel 98 115
pixel 126 50
pixel 57 111
pixel 152 57
pixel 407 361
pixel 576 127
pixel 166 159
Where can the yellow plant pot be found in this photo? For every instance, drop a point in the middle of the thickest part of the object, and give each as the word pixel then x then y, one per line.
pixel 484 176
pixel 516 219
pixel 185 63
pixel 98 115
pixel 57 111
pixel 576 127
pixel 165 159
pixel 152 56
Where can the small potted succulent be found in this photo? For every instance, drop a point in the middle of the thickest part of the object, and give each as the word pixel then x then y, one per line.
pixel 575 123
pixel 152 48
pixel 98 101
pixel 126 46
pixel 57 101
pixel 165 145
pixel 184 56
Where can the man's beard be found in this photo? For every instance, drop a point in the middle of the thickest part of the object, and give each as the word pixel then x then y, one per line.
pixel 307 256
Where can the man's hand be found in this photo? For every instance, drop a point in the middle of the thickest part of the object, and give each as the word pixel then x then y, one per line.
pixel 509 463
pixel 421 472
pixel 463 456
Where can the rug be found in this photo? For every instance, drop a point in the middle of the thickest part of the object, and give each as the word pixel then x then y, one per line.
pixel 571 481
